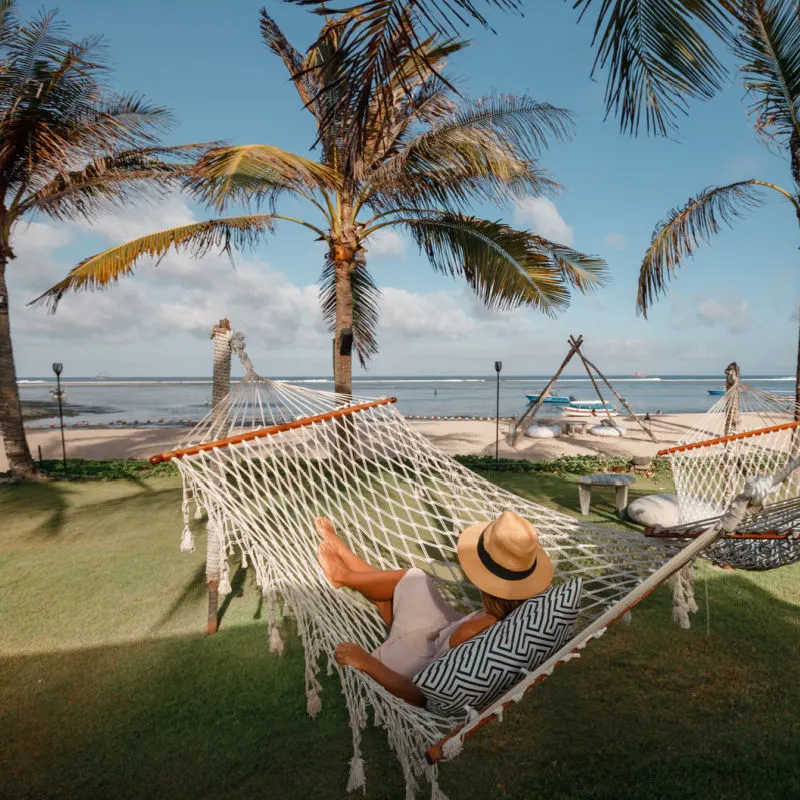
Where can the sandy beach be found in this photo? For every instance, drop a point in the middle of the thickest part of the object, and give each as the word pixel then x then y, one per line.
pixel 455 437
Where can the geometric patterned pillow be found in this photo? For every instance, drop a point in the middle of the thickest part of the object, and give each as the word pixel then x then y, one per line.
pixel 479 670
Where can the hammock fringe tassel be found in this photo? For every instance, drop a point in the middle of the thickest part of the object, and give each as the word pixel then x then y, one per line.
pixel 187 541
pixel 314 703
pixel 357 780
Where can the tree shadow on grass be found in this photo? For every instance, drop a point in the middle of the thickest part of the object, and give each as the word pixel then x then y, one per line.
pixel 194 590
pixel 237 590
pixel 649 710
pixel 50 497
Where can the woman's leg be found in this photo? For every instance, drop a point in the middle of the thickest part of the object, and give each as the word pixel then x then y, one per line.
pixel 326 532
pixel 343 567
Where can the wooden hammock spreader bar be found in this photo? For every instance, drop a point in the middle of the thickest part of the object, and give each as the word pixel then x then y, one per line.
pixel 730 438
pixel 668 533
pixel 262 432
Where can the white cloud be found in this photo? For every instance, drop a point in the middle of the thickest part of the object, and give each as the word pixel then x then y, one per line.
pixel 725 309
pixel 37 239
pixel 158 321
pixel 429 316
pixel 121 225
pixel 616 241
pixel 386 243
pixel 541 216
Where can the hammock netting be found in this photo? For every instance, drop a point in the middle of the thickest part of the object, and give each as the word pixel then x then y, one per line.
pixel 272 456
pixel 747 433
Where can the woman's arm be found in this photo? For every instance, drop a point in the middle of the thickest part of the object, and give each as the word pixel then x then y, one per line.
pixel 394 682
pixel 471 627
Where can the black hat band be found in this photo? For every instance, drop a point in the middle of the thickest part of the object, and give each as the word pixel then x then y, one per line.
pixel 498 569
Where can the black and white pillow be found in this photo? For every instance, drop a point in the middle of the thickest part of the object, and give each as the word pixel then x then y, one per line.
pixel 479 670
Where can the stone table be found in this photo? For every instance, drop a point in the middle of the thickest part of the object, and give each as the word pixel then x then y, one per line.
pixel 618 481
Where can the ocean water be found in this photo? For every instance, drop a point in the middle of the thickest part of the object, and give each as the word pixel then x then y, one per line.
pixel 137 400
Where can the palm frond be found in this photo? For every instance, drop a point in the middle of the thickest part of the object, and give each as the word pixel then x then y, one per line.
pixel 506 268
pixel 275 40
pixel 769 47
pixel 366 310
pixel 251 173
pixel 8 23
pixel 483 151
pixel 374 38
pixel 111 265
pixel 111 180
pixel 678 236
pixel 124 121
pixel 656 57
pixel 583 272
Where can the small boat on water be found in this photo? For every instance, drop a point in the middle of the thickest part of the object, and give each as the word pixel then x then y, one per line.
pixel 55 394
pixel 588 408
pixel 716 392
pixel 639 374
pixel 551 399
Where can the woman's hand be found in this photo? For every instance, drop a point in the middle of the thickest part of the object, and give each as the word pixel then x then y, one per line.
pixel 349 653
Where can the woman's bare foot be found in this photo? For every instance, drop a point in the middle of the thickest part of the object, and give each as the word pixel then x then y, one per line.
pixel 332 564
pixel 325 531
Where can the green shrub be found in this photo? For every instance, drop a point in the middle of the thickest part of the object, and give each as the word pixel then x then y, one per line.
pixel 565 465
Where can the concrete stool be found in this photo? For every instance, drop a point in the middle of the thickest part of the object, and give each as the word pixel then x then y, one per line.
pixel 619 482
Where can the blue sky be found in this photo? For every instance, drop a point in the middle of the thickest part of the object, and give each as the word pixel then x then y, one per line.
pixel 736 300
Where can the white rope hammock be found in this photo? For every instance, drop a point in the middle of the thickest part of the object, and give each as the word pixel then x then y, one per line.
pixel 273 456
pixel 748 432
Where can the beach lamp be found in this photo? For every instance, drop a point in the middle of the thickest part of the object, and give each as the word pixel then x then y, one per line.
pixel 58 368
pixel 498 365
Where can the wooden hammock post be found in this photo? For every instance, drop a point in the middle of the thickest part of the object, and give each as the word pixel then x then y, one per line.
pixel 620 399
pixel 221 386
pixel 732 418
pixel 594 383
pixel 531 410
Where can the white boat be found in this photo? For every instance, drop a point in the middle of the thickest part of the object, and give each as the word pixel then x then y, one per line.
pixel 589 408
pixel 55 394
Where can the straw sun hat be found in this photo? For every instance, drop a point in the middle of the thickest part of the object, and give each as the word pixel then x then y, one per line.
pixel 504 558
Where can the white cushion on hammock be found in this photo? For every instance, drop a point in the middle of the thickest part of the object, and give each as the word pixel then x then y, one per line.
pixel 479 670
pixel 655 510
pixel 543 431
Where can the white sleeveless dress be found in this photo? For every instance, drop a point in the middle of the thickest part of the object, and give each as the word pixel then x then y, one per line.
pixel 422 624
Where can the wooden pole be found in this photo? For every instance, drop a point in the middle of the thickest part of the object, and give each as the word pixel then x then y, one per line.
pixel 622 402
pixel 732 418
pixel 531 410
pixel 594 383
pixel 220 387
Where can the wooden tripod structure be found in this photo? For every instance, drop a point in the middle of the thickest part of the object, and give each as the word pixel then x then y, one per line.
pixel 575 348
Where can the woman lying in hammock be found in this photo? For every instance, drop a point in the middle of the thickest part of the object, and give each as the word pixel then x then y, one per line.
pixel 502 558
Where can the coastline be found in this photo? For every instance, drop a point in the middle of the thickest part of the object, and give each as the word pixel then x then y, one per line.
pixel 454 437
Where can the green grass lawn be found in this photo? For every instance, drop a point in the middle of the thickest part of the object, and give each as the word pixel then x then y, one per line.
pixel 108 687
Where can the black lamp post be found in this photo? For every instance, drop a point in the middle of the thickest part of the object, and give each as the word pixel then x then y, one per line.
pixel 57 368
pixel 498 365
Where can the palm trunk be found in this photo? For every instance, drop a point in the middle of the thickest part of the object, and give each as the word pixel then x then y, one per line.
pixel 796 173
pixel 797 377
pixel 11 427
pixel 343 364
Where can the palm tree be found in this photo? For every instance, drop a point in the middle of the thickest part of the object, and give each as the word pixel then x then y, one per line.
pixel 427 157
pixel 656 52
pixel 768 51
pixel 67 147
